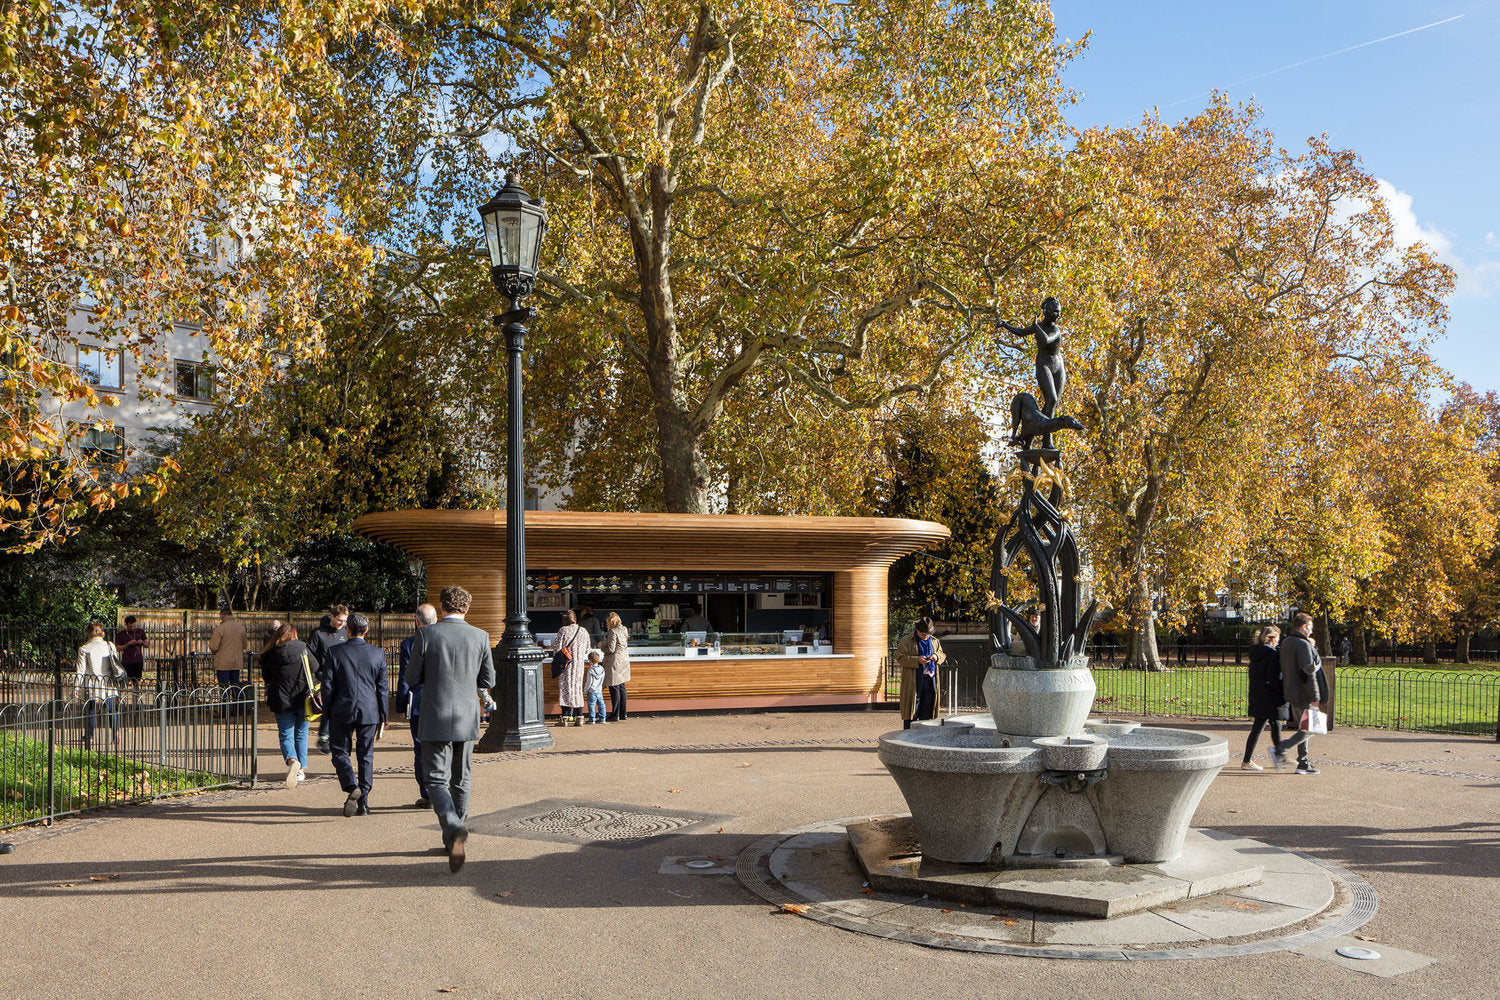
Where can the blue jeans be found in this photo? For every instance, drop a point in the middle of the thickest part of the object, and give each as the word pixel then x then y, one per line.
pixel 92 708
pixel 594 709
pixel 291 728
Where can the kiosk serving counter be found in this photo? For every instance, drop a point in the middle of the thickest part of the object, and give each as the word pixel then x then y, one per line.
pixel 759 582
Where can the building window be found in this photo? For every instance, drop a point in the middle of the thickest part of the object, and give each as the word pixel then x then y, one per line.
pixel 100 367
pixel 104 445
pixel 195 380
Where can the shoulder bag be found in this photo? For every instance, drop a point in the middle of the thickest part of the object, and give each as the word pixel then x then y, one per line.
pixel 312 705
pixel 563 656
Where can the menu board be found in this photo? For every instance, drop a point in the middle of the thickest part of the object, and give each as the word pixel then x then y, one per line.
pixel 598 583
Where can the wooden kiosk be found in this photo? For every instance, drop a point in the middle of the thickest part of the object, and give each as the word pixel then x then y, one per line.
pixel 830 571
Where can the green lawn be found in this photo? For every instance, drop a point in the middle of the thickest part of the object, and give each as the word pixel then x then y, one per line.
pixel 82 779
pixel 1414 697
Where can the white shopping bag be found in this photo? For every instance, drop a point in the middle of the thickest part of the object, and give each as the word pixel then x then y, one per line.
pixel 1314 722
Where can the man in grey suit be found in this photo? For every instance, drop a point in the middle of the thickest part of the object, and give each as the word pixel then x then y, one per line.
pixel 452 661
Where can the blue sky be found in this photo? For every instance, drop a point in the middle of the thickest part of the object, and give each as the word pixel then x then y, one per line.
pixel 1422 109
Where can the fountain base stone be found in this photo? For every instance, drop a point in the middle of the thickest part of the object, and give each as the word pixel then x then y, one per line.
pixel 1095 886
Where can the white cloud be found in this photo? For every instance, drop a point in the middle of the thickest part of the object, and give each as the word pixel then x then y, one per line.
pixel 1479 279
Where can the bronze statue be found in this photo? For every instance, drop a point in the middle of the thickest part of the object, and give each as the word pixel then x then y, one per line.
pixel 1051 373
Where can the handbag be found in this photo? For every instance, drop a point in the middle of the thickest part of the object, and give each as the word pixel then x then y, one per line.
pixel 312 705
pixel 561 659
pixel 1314 722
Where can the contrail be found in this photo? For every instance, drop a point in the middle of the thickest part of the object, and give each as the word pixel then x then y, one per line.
pixel 1313 59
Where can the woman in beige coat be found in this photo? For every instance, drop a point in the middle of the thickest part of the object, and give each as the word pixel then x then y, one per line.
pixel 98 673
pixel 616 649
pixel 919 655
pixel 570 681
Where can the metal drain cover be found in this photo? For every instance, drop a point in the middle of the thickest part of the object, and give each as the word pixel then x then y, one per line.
pixel 1362 954
pixel 571 822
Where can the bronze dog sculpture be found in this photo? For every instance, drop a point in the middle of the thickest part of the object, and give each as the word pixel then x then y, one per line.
pixel 1027 421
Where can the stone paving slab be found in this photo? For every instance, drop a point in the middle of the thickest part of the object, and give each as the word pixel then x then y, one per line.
pixel 1391 963
pixel 884 849
pixel 819 870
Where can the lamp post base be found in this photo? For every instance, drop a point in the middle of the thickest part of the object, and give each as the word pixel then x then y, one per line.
pixel 517 723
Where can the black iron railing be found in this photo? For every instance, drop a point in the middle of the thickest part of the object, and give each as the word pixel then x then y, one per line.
pixel 63 751
pixel 1402 698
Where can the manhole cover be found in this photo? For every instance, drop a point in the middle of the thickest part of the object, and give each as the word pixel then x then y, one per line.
pixel 701 863
pixel 571 822
pixel 597 823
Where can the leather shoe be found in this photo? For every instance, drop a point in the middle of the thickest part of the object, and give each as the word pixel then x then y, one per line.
pixel 363 810
pixel 457 849
pixel 352 802
pixel 422 804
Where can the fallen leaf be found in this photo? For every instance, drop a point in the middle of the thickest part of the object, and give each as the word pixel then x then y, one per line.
pixel 1241 906
pixel 1361 937
pixel 745 765
pixel 506 893
pixel 947 911
pixel 65 885
pixel 1007 921
pixel 797 908
pixel 868 892
pixel 674 791
pixel 447 989
pixel 721 829
pixel 104 878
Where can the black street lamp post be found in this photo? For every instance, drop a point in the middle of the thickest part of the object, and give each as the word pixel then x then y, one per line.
pixel 513 228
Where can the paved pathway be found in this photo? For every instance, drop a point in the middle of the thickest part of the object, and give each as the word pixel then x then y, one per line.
pixel 273 893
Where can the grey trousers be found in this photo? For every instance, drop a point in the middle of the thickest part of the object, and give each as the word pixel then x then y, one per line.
pixel 447 767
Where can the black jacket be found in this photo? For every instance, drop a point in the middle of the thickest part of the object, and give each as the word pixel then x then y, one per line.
pixel 281 670
pixel 1299 671
pixel 356 690
pixel 324 638
pixel 1265 701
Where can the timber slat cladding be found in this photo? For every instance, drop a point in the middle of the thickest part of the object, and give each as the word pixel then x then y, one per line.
pixel 467 547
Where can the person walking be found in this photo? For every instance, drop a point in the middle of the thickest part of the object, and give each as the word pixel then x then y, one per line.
pixel 329 633
pixel 130 641
pixel 593 689
pixel 98 672
pixel 286 669
pixel 355 696
pixel 451 661
pixel 575 638
pixel 1302 683
pixel 1265 704
pixel 409 700
pixel 616 649
pixel 919 655
pixel 227 643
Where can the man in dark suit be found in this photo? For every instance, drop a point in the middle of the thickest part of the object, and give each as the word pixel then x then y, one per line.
pixel 409 699
pixel 452 661
pixel 355 691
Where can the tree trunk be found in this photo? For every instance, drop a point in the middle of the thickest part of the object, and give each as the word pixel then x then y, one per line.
pixel 1461 650
pixel 1141 653
pixel 1429 650
pixel 684 473
pixel 1320 635
pixel 1359 650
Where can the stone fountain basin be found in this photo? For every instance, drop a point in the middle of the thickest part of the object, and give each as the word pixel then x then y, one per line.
pixel 1110 728
pixel 1154 780
pixel 1072 753
pixel 970 793
pixel 967 792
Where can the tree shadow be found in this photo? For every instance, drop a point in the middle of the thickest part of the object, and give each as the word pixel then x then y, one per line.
pixel 1414 851
pixel 587 877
